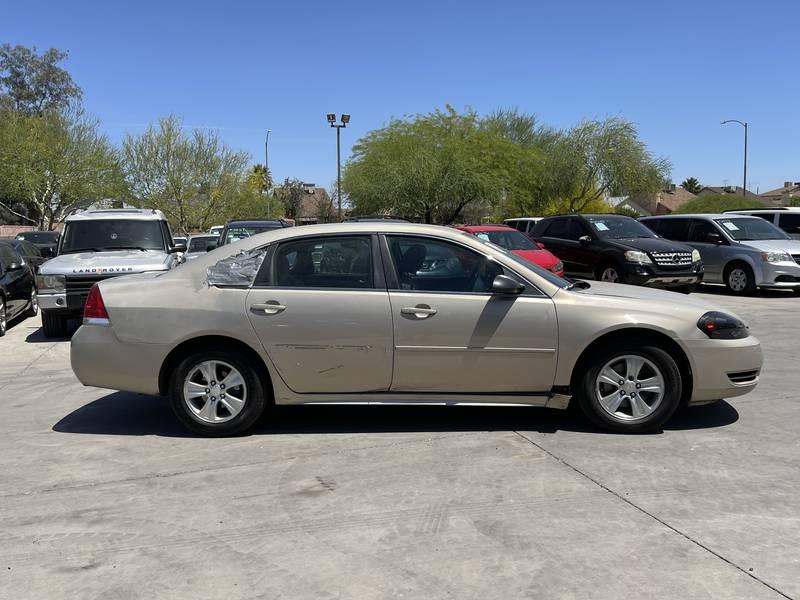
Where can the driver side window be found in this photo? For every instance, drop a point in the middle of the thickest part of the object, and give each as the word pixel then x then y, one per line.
pixel 428 265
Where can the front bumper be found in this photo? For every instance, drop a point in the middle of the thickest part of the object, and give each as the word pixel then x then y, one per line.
pixel 779 275
pixel 654 276
pixel 724 368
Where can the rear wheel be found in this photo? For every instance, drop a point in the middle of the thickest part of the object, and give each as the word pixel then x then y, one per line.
pixel 54 325
pixel 217 393
pixel 739 279
pixel 33 306
pixel 631 389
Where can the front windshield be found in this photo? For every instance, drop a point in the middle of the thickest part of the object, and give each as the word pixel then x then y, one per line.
pixel 619 228
pixel 39 237
pixel 753 228
pixel 544 273
pixel 200 244
pixel 112 234
pixel 510 239
pixel 240 232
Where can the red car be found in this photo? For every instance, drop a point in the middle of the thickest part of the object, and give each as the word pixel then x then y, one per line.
pixel 519 244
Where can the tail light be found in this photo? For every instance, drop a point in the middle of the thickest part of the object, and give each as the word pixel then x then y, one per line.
pixel 95 313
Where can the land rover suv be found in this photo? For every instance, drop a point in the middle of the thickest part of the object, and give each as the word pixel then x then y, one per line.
pixel 96 245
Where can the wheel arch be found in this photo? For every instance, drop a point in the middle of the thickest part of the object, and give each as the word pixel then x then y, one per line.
pixel 640 336
pixel 212 342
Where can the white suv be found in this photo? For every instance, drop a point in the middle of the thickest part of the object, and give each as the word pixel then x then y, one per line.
pixel 787 218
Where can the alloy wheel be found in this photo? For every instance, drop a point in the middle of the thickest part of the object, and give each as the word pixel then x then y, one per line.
pixel 737 279
pixel 34 303
pixel 610 275
pixel 629 387
pixel 3 318
pixel 214 392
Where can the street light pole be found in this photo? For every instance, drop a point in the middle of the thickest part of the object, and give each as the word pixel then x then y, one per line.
pixel 743 124
pixel 266 173
pixel 344 121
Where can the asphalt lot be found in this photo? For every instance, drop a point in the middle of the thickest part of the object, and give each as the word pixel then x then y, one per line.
pixel 104 496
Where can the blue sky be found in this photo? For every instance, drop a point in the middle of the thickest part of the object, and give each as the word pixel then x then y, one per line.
pixel 675 68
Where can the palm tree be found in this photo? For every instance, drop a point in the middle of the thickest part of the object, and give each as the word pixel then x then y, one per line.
pixel 690 184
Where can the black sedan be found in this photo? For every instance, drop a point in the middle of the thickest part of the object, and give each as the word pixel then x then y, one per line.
pixel 17 287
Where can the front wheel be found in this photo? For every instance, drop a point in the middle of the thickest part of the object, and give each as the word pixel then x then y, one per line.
pixel 739 279
pixel 33 305
pixel 217 393
pixel 631 390
pixel 610 273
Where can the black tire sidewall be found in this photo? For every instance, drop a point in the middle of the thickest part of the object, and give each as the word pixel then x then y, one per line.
pixel 254 406
pixel 672 395
pixel 4 310
pixel 610 265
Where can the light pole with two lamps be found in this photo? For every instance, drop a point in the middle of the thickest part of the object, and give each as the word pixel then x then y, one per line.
pixel 344 121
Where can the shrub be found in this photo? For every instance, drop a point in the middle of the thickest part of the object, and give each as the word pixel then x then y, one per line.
pixel 718 203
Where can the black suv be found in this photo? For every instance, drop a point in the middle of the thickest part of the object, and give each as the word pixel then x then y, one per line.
pixel 241 229
pixel 619 249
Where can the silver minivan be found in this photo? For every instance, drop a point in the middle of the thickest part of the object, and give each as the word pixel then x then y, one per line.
pixel 741 251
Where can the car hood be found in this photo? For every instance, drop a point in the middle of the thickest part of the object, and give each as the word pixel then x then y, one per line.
pixel 99 263
pixel 650 245
pixel 790 246
pixel 543 258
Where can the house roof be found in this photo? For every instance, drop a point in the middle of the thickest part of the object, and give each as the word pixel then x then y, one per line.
pixel 675 199
pixel 785 189
pixel 737 191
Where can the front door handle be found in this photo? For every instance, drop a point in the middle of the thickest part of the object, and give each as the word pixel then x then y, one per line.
pixel 270 307
pixel 420 311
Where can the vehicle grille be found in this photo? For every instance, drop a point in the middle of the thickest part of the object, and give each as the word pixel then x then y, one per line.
pixel 743 376
pixel 672 259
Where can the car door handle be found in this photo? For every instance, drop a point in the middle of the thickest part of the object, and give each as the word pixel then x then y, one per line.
pixel 271 307
pixel 420 311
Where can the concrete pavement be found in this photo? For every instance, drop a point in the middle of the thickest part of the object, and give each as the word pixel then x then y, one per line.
pixel 103 495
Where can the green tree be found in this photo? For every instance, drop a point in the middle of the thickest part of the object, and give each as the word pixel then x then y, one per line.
pixel 691 184
pixel 193 177
pixel 430 167
pixel 290 194
pixel 55 162
pixel 717 203
pixel 32 83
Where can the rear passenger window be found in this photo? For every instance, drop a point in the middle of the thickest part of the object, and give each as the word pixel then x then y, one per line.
pixel 789 222
pixel 558 229
pixel 327 262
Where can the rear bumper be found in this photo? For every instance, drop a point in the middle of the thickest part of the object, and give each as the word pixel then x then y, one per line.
pixel 100 359
pixel 724 368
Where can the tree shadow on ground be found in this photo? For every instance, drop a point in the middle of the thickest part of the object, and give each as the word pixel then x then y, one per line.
pixel 123 413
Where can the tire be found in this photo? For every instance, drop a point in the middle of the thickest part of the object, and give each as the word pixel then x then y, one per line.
pixel 213 413
pixel 54 325
pixel 3 317
pixel 629 411
pixel 739 279
pixel 33 307
pixel 610 272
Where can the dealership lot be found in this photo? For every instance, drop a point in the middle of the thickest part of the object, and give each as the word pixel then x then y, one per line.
pixel 104 495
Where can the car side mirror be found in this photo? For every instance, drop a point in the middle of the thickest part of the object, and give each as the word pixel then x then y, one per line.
pixel 503 284
pixel 713 238
pixel 177 248
pixel 585 239
pixel 211 246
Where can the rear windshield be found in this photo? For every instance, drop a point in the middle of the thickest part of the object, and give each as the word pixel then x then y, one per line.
pixel 39 237
pixel 510 239
pixel 112 234
pixel 200 244
pixel 752 228
pixel 240 232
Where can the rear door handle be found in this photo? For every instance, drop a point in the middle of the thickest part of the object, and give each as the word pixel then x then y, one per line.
pixel 420 311
pixel 270 307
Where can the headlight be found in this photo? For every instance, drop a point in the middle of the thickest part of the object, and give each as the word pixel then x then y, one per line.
pixel 51 283
pixel 695 255
pixel 635 256
pixel 559 266
pixel 774 257
pixel 719 326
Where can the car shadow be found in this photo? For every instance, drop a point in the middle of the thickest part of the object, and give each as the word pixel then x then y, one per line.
pixel 720 290
pixel 38 337
pixel 123 413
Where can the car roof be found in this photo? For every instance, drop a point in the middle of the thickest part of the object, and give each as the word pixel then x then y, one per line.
pixel 700 216
pixel 765 209
pixel 277 222
pixel 126 214
pixel 524 219
pixel 474 228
